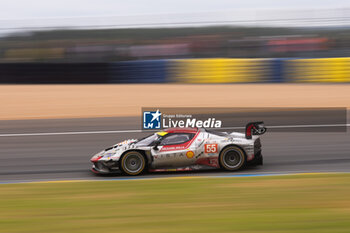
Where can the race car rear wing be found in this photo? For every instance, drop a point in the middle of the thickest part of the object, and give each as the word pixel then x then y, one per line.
pixel 254 128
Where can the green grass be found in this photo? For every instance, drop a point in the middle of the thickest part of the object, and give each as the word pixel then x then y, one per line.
pixel 295 203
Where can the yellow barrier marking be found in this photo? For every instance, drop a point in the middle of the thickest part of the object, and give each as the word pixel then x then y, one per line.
pixel 219 70
pixel 319 70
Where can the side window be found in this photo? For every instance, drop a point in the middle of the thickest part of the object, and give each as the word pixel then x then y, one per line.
pixel 176 139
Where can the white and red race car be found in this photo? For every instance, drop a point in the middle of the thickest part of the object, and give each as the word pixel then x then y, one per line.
pixel 181 149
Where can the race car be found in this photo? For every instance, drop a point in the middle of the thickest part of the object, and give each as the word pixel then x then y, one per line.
pixel 182 149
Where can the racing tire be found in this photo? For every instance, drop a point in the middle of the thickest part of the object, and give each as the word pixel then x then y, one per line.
pixel 133 163
pixel 232 158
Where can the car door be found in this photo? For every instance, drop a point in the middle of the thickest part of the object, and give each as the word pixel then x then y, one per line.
pixel 173 151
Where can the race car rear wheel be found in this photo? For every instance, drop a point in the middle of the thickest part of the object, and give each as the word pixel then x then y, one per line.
pixel 232 158
pixel 133 163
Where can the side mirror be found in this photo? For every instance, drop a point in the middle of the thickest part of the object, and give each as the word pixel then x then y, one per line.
pixel 155 147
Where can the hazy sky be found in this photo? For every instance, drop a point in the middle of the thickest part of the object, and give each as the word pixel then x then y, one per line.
pixel 21 9
pixel 22 15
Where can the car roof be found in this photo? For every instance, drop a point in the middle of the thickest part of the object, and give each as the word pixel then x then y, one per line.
pixel 181 130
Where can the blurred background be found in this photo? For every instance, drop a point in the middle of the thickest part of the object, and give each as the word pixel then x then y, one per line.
pixel 190 42
pixel 48 133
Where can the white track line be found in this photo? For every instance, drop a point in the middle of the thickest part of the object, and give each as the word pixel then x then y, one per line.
pixel 69 133
pixel 295 126
pixel 139 131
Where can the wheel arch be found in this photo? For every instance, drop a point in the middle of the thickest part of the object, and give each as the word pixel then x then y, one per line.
pixel 238 146
pixel 137 150
pixel 140 152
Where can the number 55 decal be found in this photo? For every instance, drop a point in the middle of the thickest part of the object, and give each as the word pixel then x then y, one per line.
pixel 211 148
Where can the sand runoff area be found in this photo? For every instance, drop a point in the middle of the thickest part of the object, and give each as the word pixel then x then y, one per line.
pixel 83 101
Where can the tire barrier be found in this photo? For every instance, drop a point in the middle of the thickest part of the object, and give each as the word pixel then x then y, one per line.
pixel 151 71
pixel 53 73
pixel 211 70
pixel 319 70
pixel 221 70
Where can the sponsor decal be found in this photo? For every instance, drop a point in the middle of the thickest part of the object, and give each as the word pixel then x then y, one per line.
pixel 152 119
pixel 210 148
pixel 192 123
pixel 211 162
pixel 190 154
pixel 170 148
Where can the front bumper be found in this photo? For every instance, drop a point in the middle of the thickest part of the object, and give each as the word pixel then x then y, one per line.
pixel 105 167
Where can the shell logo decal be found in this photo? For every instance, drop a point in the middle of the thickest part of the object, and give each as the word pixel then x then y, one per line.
pixel 190 154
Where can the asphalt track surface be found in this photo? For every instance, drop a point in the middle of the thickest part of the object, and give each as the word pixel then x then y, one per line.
pixel 28 156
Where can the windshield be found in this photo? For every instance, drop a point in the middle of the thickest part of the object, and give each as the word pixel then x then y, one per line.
pixel 146 141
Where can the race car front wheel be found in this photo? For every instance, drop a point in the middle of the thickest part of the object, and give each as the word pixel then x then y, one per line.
pixel 232 158
pixel 133 163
